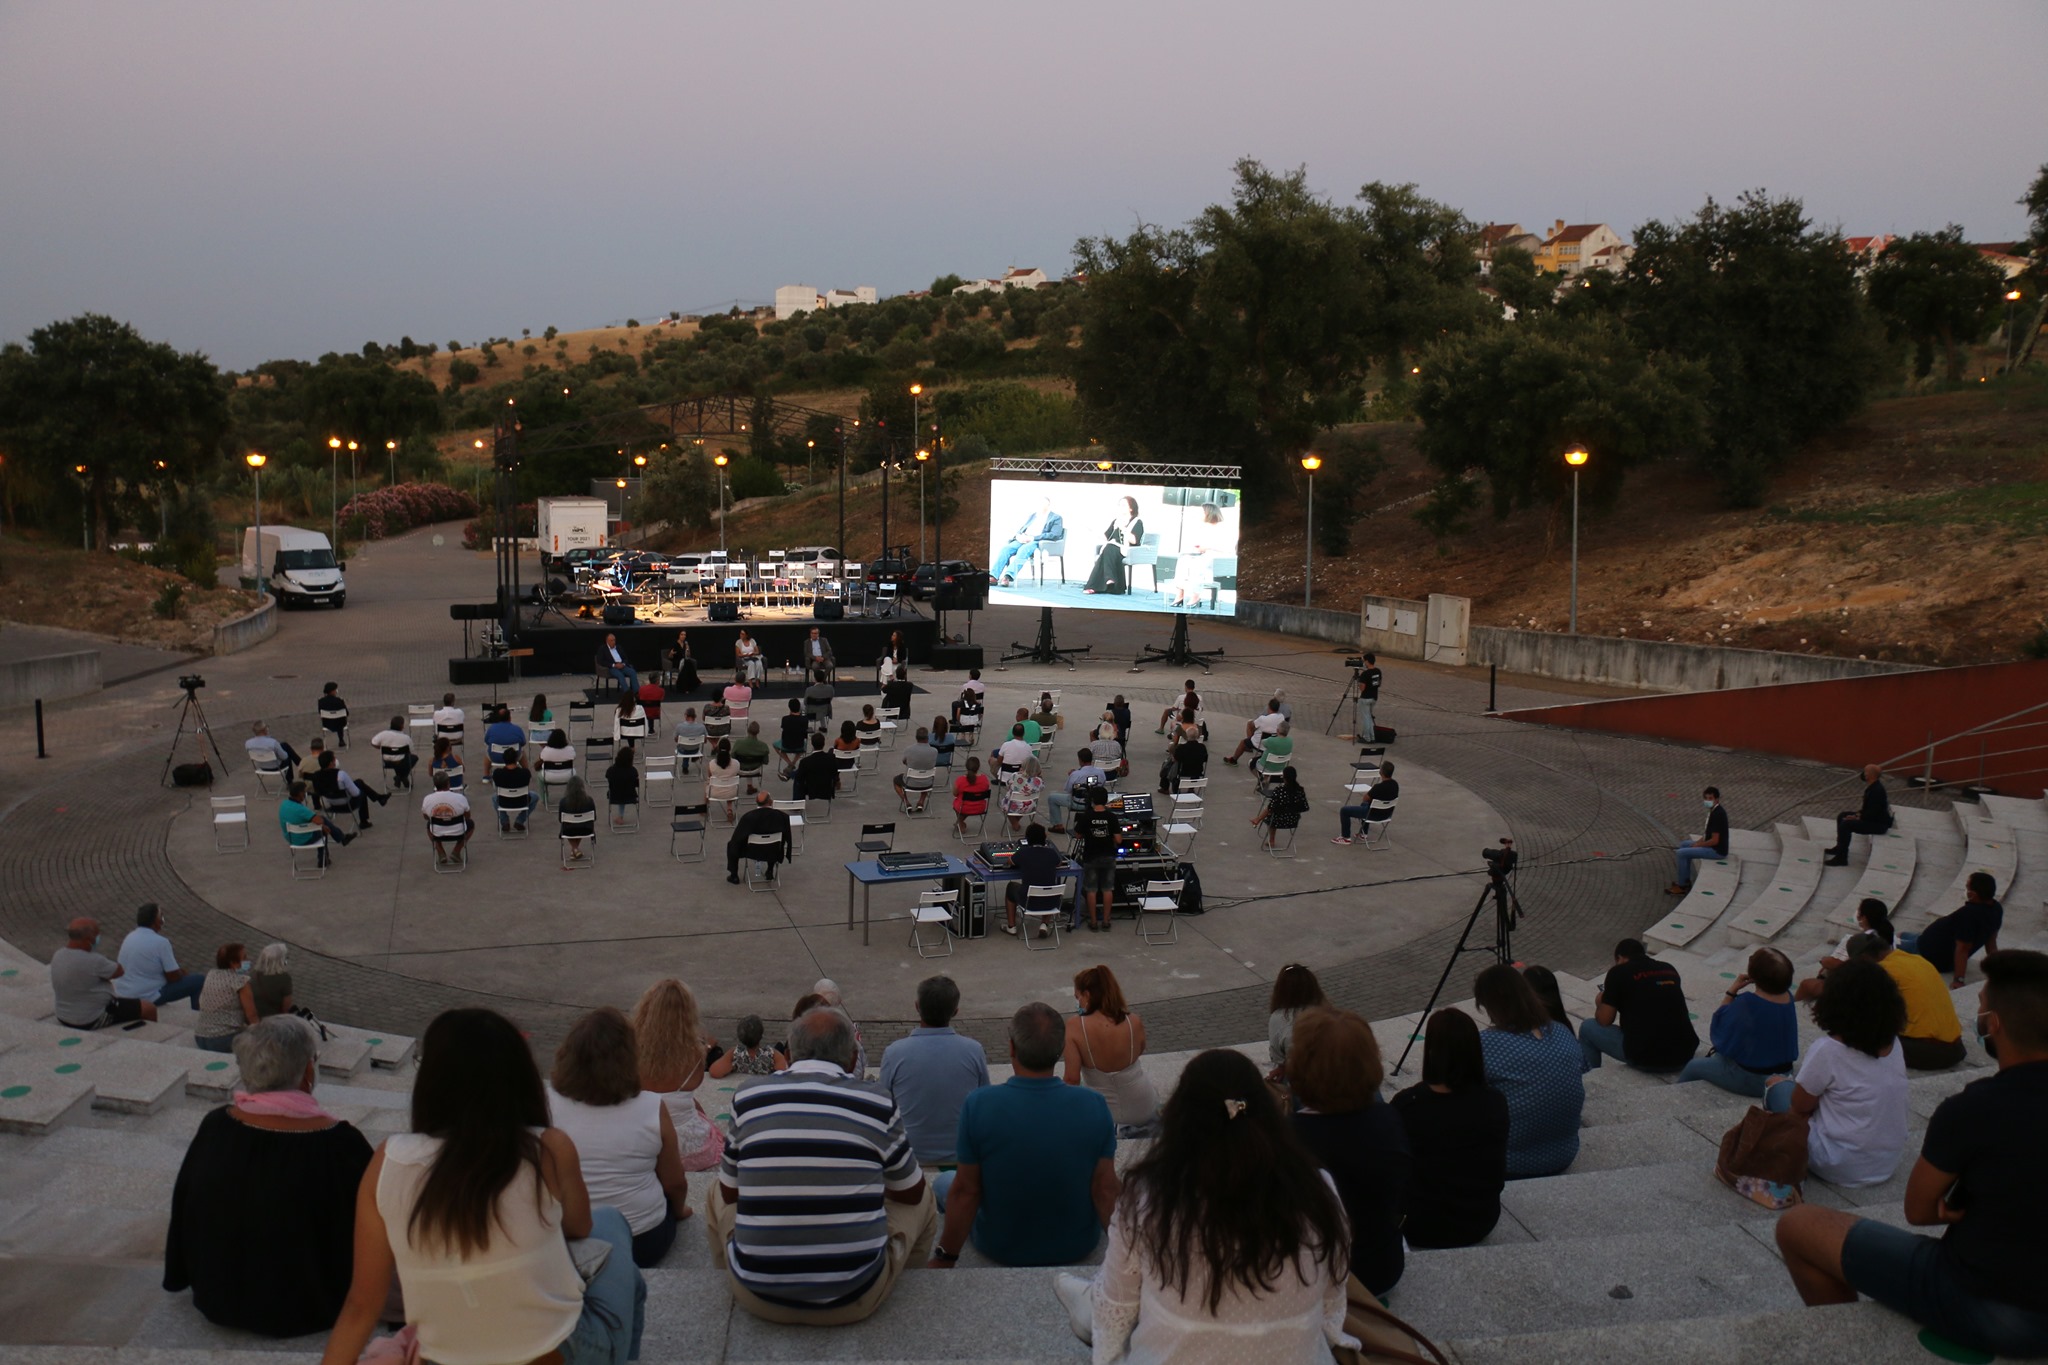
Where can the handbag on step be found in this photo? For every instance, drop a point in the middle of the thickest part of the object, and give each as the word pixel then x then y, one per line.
pixel 1763 1158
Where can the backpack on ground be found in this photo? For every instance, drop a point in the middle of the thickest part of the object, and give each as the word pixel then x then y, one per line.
pixel 1191 889
pixel 192 775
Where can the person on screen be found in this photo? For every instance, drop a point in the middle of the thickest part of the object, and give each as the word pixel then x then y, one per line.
pixel 1126 529
pixel 1042 524
pixel 1193 571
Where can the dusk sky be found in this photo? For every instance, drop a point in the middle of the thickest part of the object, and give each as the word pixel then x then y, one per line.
pixel 264 179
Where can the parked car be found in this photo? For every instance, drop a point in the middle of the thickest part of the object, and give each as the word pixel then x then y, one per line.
pixel 897 569
pixel 951 572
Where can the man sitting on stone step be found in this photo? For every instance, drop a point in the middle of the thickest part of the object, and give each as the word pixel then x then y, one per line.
pixel 79 974
pixel 1713 844
pixel 1979 1174
pixel 931 1071
pixel 1873 817
pixel 1952 940
pixel 1641 1017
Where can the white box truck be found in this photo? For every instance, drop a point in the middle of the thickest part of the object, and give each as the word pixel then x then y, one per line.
pixel 565 524
pixel 298 566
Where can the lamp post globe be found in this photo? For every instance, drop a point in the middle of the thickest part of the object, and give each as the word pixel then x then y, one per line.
pixel 1576 457
pixel 1310 463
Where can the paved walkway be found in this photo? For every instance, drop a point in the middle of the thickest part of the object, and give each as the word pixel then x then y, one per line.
pixel 384 941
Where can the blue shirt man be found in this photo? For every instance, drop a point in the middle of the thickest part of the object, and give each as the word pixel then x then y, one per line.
pixel 1086 774
pixel 1037 1176
pixel 149 969
pixel 502 736
pixel 932 1071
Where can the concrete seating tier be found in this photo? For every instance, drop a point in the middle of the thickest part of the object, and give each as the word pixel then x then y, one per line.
pixel 1785 894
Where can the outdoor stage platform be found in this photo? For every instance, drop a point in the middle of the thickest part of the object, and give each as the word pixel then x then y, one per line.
pixel 569 644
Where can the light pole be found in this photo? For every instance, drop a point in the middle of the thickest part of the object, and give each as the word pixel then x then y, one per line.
pixel 1576 457
pixel 351 471
pixel 915 390
pixel 479 473
pixel 639 475
pixel 924 457
pixel 1310 462
pixel 334 490
pixel 84 506
pixel 721 460
pixel 163 503
pixel 2012 296
pixel 391 454
pixel 256 463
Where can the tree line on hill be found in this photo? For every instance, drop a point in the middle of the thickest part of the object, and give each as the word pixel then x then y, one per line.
pixel 1251 335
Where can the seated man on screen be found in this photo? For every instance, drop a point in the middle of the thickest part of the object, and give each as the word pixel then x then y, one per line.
pixel 1042 524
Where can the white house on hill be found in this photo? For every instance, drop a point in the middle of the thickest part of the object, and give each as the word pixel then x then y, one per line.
pixel 1016 277
pixel 791 299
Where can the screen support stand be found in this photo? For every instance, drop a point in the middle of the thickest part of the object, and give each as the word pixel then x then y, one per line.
pixel 1177 652
pixel 1046 650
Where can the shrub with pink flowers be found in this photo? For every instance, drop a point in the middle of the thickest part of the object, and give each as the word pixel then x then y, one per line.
pixel 385 512
pixel 480 533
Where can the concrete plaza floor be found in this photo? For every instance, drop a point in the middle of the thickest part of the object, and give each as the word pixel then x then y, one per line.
pixel 385 941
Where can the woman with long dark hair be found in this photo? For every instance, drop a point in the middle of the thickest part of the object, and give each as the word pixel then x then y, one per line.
pixel 1457 1129
pixel 1295 989
pixel 1543 981
pixel 474 1209
pixel 1126 531
pixel 1852 1085
pixel 1227 1243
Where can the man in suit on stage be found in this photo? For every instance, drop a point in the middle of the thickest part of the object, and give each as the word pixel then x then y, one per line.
pixel 818 655
pixel 1043 524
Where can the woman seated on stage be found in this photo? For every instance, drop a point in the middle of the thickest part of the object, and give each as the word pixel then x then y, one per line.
pixel 1125 531
pixel 746 654
pixel 683 664
pixel 970 796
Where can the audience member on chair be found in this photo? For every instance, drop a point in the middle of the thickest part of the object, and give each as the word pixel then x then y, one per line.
pixel 1457 1128
pixel 512 776
pixel 576 800
pixel 333 785
pixel 1257 732
pixel 1286 803
pixel 271 753
pixel 394 744
pixel 1532 1060
pixel 1654 1031
pixel 931 1071
pixel 445 806
pixel 302 825
pixel 970 796
pixel 1754 1032
pixel 473 1211
pixel 1225 1233
pixel 622 783
pixel 919 757
pixel 763 819
pixel 1037 864
pixel 1036 1182
pixel 817 776
pixel 1978 1177
pixel 1084 775
pixel 263 1212
pixel 1382 793
pixel 874 1213
pixel 625 1139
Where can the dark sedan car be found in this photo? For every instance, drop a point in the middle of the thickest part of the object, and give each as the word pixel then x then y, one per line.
pixel 952 573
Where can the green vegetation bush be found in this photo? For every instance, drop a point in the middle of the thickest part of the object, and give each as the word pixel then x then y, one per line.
pixel 170 601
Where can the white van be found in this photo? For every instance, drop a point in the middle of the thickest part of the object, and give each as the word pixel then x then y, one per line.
pixel 299 566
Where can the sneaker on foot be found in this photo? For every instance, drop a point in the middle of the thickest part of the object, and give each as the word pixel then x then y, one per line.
pixel 732 878
pixel 1676 890
pixel 1340 839
pixel 1044 930
pixel 1010 929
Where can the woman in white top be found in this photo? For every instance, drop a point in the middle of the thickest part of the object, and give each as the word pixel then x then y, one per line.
pixel 673 1049
pixel 1852 1085
pixel 557 761
pixel 1227 1244
pixel 473 1210
pixel 746 655
pixel 1192 567
pixel 623 1134
pixel 1104 1045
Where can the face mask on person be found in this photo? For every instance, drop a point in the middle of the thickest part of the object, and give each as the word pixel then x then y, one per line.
pixel 1707 801
pixel 1984 1037
pixel 244 967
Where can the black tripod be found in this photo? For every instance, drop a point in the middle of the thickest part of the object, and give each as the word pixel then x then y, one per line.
pixel 1347 696
pixel 1046 650
pixel 1178 651
pixel 1507 914
pixel 189 710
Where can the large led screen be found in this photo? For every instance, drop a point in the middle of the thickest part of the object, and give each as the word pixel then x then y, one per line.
pixel 1113 546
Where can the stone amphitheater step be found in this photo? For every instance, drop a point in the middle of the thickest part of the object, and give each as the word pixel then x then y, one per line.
pixel 2018 813
pixel 1887 876
pixel 1714 887
pixel 1630 1276
pixel 1851 1334
pixel 34 1101
pixel 24 986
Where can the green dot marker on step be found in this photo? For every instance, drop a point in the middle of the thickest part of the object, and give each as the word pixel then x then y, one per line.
pixel 1950 1350
pixel 11 971
pixel 13 1092
pixel 1727 976
pixel 1762 921
pixel 216 1066
pixel 373 1042
pixel 69 1042
pixel 68 1068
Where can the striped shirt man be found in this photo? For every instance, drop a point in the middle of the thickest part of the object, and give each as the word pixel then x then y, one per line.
pixel 812 1152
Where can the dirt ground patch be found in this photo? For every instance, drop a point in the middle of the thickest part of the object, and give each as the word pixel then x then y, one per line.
pixel 107 594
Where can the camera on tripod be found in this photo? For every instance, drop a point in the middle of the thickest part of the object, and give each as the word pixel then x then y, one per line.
pixel 1500 861
pixel 191 682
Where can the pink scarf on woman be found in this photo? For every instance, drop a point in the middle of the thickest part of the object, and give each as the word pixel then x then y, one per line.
pixel 284 1104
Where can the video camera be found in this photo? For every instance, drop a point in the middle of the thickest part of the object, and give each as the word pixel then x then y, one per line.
pixel 191 682
pixel 1500 861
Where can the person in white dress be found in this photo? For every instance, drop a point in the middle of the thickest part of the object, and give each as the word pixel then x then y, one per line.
pixel 1192 569
pixel 1227 1244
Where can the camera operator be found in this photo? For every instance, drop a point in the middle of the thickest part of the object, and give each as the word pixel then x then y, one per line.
pixel 1366 675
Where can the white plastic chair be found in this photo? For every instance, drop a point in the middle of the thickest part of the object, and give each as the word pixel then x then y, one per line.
pixel 448 831
pixel 583 826
pixel 280 770
pixel 1160 898
pixel 511 803
pixel 764 862
pixel 1041 907
pixel 795 811
pixel 933 909
pixel 317 846
pixel 658 783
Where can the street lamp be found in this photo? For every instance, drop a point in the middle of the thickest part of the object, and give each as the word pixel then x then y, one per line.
pixel 333 490
pixel 924 457
pixel 351 471
pixel 391 453
pixel 721 460
pixel 1310 462
pixel 256 463
pixel 1576 457
pixel 2012 296
pixel 479 471
pixel 84 507
pixel 163 503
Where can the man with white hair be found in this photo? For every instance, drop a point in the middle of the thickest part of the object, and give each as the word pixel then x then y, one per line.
pixel 866 1213
pixel 269 751
pixel 827 989
pixel 78 980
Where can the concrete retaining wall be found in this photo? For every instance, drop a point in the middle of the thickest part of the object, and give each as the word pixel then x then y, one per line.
pixel 1657 665
pixel 245 631
pixel 51 677
pixel 1338 627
